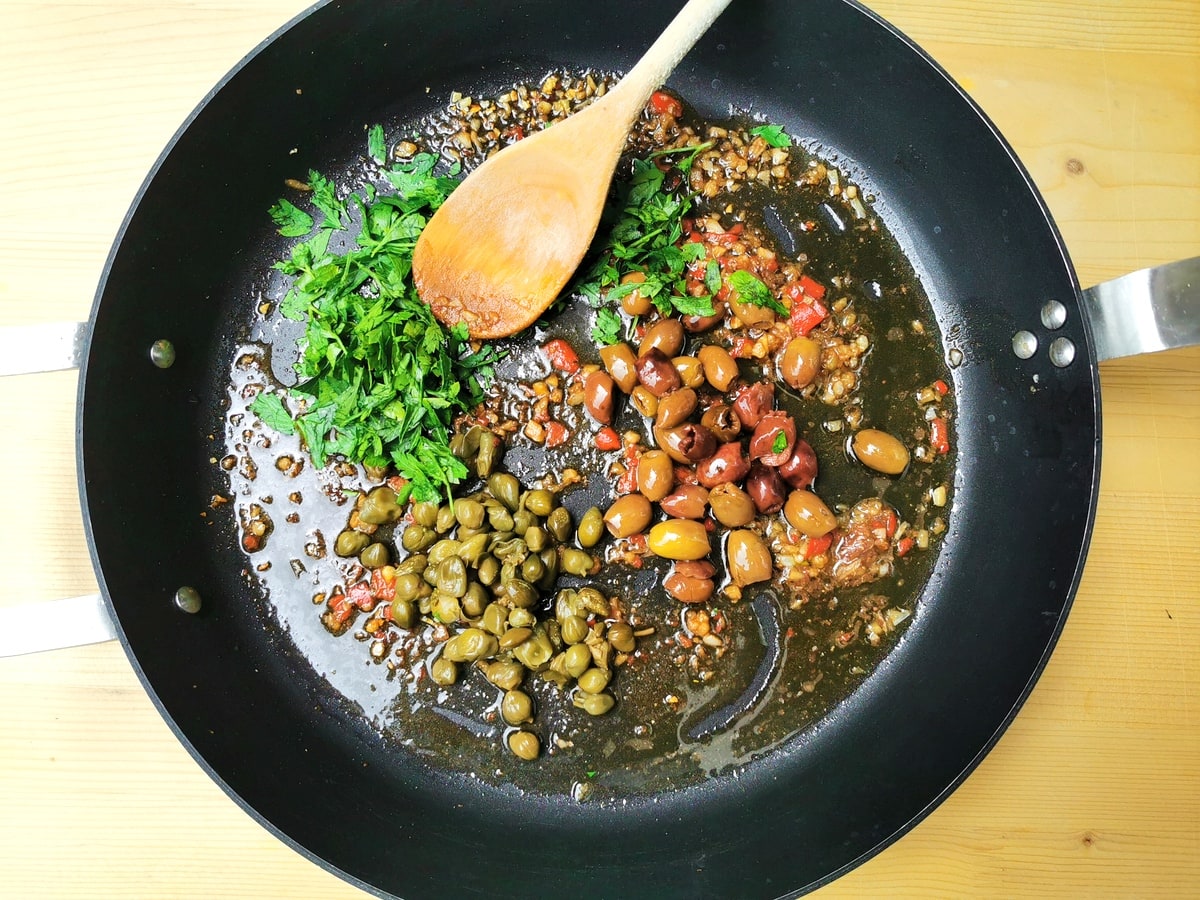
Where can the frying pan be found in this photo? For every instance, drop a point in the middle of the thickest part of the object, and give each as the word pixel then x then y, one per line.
pixel 974 668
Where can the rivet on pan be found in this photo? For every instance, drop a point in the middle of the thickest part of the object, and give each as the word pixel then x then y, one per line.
pixel 188 599
pixel 162 354
pixel 1054 315
pixel 1024 344
pixel 1062 352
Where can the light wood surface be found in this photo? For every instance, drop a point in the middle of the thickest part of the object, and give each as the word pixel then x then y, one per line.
pixel 1095 789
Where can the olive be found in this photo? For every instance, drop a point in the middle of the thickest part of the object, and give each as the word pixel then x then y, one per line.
pixel 644 402
pixel 350 543
pixel 679 539
pixel 536 652
pixel 635 303
pixel 591 528
pixel 773 439
pixel 475 600
pixel 880 451
pixel 754 401
pixel 766 489
pixel 516 707
pixel 800 471
pixel 524 745
pixel 495 618
pixel 657 373
pixel 576 562
pixel 594 680
pixel 800 362
pixel 690 369
pixel 515 636
pixel 731 506
pixel 620 635
pixel 655 475
pixel 675 407
pixel 380 507
pixel 418 537
pixel 469 513
pixel 573 629
pixel 749 313
pixel 598 396
pixel 719 367
pixel 728 464
pixel 577 659
pixel 404 612
pixel 687 501
pixel 621 364
pixel 469 645
pixel 689 584
pixel 808 514
pixel 694 324
pixel 490 449
pixel 539 502
pixel 722 421
pixel 628 515
pixel 425 513
pixel 594 704
pixel 687 443
pixel 505 488
pixel 747 557
pixel 374 556
pixel 505 674
pixel 665 335
pixel 443 671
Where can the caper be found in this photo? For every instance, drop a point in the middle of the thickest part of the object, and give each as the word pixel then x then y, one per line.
pixel 443 671
pixel 500 518
pixel 573 629
pixel 533 568
pixel 452 576
pixel 465 444
pixel 475 600
pixel 443 550
pixel 425 513
pixel 536 539
pixel 594 704
pixel 524 744
pixel 567 603
pixel 515 636
pixel 350 543
pixel 519 593
pixel 445 520
pixel 495 618
pixel 620 635
pixel 489 454
pixel 416 564
pixel 505 488
pixel 374 556
pixel 593 600
pixel 505 674
pixel 594 680
pixel 591 528
pixel 469 645
pixel 516 707
pixel 488 571
pixel 380 507
pixel 559 524
pixel 417 537
pixel 576 562
pixel 536 652
pixel 446 607
pixel 577 659
pixel 472 548
pixel 549 558
pixel 404 612
pixel 469 513
pixel 539 502
pixel 408 585
pixel 521 618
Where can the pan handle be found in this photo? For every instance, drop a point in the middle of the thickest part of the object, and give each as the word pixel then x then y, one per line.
pixel 44 347
pixel 1147 310
pixel 82 620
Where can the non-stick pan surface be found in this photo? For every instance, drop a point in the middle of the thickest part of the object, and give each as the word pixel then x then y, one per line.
pixel 254 713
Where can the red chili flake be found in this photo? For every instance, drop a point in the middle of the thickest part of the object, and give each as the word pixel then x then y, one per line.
pixel 941 387
pixel 359 594
pixel 683 641
pixel 904 546
pixel 514 133
pixel 340 609
pixel 818 545
pixel 381 587
pixel 562 356
pixel 637 543
pixel 557 434
pixel 608 439
pixel 790 633
pixel 742 347
pixel 939 435
pixel 664 104
pixel 251 542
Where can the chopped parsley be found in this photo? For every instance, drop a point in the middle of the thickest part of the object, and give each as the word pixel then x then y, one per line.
pixel 774 135
pixel 380 380
pixel 751 290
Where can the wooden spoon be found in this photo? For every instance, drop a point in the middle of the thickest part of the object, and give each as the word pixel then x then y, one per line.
pixel 504 244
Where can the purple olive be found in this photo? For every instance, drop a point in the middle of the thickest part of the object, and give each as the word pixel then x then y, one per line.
pixel 657 373
pixel 753 402
pixel 728 464
pixel 766 489
pixel 774 438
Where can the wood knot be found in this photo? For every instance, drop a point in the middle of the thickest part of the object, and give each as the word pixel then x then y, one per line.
pixel 1075 166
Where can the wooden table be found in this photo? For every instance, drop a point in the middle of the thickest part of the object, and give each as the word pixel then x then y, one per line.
pixel 1095 789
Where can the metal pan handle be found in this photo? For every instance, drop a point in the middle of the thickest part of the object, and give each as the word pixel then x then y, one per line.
pixel 1146 311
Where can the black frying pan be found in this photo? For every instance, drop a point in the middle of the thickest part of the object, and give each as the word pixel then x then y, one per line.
pixel 255 715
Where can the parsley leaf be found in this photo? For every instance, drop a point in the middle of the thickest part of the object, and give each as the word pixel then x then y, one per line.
pixel 270 409
pixel 376 144
pixel 292 222
pixel 751 290
pixel 607 329
pixel 774 135
pixel 780 443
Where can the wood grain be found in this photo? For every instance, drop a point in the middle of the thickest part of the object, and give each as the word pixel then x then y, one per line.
pixel 1094 791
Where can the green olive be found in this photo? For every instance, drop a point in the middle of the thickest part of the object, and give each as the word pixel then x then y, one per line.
pixel 404 612
pixel 505 488
pixel 577 659
pixel 594 680
pixel 375 556
pixel 469 513
pixel 880 451
pixel 573 629
pixel 747 557
pixel 591 528
pixel 628 515
pixel 559 524
pixel 469 645
pixel 425 513
pixel 593 704
pixel 808 514
pixel 731 506
pixel 719 367
pixel 679 539
pixel 505 674
pixel 675 407
pixel 800 362
pixel 350 543
pixel 576 562
pixel 443 671
pixel 380 507
pixel 524 745
pixel 516 707
pixel 620 635
pixel 655 475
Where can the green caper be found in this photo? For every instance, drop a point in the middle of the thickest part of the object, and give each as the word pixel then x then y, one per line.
pixel 536 538
pixel 495 618
pixel 404 612
pixel 417 537
pixel 445 520
pixel 380 507
pixel 620 635
pixel 593 704
pixel 594 680
pixel 524 745
pixel 425 513
pixel 375 556
pixel 489 454
pixel 475 600
pixel 533 568
pixel 452 576
pixel 442 550
pixel 591 528
pixel 416 564
pixel 514 636
pixel 505 674
pixel 559 524
pixel 443 671
pixel 488 571
pixel 500 518
pixel 516 707
pixel 519 593
pixel 534 653
pixel 425 603
pixel 469 645
pixel 465 444
pixel 574 629
pixel 469 513
pixel 523 520
pixel 446 607
pixel 472 548
pixel 558 679
pixel 539 502
pixel 408 585
pixel 577 659
pixel 576 562
pixel 521 618
pixel 594 601
pixel 350 543
pixel 505 488
pixel 549 558
pixel 567 603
